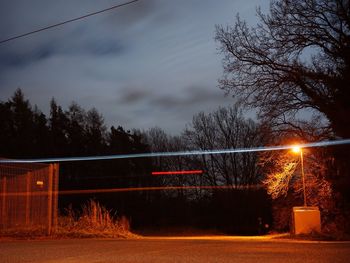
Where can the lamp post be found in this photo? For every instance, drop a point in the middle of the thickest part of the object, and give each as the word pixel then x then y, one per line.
pixel 298 149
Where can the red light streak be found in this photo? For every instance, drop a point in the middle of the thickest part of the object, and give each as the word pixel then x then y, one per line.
pixel 178 172
pixel 130 189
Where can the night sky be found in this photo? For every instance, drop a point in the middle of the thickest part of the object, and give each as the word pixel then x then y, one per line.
pixel 151 63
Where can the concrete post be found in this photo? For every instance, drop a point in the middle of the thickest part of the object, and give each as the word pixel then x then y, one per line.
pixel 306 220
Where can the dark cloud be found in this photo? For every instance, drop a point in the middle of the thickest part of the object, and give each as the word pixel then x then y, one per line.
pixel 151 63
pixel 132 95
pixel 105 48
pixel 168 102
pixel 20 58
pixel 91 47
pixel 193 96
pixel 198 94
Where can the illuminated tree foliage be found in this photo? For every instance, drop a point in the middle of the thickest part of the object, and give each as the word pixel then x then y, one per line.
pixel 277 184
pixel 296 58
pixel 284 174
pixel 284 184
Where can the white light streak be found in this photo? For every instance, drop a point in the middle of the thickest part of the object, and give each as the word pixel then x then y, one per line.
pixel 180 153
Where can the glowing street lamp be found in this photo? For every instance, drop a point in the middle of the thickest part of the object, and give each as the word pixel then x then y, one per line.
pixel 297 149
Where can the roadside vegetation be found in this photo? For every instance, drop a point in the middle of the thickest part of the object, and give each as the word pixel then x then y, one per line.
pixel 92 221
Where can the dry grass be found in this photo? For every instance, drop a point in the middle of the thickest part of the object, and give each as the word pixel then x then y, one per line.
pixel 94 221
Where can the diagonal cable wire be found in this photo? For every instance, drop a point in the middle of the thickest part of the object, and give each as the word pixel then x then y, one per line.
pixel 67 21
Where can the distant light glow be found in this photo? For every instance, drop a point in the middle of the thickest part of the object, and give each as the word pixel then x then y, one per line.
pixel 178 172
pixel 296 149
pixel 181 153
pixel 39 183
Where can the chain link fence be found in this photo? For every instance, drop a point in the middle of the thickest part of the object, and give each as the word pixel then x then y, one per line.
pixel 28 196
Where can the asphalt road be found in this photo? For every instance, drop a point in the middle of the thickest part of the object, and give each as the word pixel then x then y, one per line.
pixel 203 249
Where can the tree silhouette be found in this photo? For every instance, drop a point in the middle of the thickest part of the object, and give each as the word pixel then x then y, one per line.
pixel 21 126
pixel 58 130
pixel 226 128
pixel 296 58
pixel 96 132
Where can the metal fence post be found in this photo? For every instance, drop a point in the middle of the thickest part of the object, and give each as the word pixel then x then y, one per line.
pixel 55 195
pixel 3 203
pixel 28 197
pixel 49 200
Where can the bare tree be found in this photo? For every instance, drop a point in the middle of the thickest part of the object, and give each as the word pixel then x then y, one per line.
pixel 160 141
pixel 226 128
pixel 296 58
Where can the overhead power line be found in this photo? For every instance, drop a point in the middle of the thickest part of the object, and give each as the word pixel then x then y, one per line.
pixel 67 21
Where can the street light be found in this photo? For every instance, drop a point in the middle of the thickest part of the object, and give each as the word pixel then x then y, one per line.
pixel 298 149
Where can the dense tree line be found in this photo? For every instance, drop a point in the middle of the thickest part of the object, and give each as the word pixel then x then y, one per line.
pixel 27 133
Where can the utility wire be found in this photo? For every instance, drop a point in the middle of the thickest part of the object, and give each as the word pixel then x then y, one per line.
pixel 67 21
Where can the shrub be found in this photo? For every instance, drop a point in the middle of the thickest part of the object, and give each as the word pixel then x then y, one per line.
pixel 93 221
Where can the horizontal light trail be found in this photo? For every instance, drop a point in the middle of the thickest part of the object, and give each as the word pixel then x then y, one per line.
pixel 178 172
pixel 130 189
pixel 181 153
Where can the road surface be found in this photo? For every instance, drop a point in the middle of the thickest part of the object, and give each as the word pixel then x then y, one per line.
pixel 177 249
